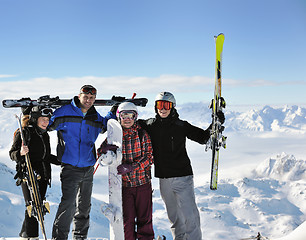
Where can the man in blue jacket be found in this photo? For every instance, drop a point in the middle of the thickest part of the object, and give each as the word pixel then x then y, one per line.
pixel 78 125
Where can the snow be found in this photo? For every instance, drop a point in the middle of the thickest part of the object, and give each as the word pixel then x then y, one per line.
pixel 262 177
pixel 298 234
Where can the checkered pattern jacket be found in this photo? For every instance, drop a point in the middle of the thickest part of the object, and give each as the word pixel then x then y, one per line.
pixel 139 153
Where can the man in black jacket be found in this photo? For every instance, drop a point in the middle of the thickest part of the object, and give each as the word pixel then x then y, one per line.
pixel 172 165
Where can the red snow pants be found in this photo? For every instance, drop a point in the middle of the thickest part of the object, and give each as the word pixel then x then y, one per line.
pixel 137 212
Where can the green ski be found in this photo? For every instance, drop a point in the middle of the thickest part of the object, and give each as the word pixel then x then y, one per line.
pixel 217 140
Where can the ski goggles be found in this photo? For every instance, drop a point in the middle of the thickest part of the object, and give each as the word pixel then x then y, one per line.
pixel 127 115
pixel 160 104
pixel 89 89
pixel 46 112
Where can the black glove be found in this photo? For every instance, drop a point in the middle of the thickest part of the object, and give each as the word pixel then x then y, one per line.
pixel 119 99
pixel 221 117
pixel 26 110
pixel 114 108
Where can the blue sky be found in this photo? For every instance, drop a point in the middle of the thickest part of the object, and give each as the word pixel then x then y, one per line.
pixel 122 46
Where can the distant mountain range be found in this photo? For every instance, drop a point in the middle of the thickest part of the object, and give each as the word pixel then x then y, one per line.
pixel 280 119
pixel 286 119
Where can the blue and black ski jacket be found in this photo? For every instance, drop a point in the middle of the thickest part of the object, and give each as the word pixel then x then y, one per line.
pixel 77 133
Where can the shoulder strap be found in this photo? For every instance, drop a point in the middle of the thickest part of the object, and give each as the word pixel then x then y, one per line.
pixel 26 132
pixel 16 131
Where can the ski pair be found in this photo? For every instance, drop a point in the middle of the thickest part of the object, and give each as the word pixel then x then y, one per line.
pixel 217 140
pixel 36 209
pixel 56 102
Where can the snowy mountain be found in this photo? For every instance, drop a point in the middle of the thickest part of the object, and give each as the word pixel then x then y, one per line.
pixel 278 119
pixel 261 188
pixel 286 119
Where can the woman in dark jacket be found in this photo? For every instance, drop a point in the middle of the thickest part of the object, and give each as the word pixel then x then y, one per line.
pixel 37 145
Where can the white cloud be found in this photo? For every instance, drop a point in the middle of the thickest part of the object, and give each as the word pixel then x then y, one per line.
pixel 106 85
pixel 6 76
pixel 186 88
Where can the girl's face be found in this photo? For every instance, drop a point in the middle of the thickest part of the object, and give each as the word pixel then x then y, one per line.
pixel 43 122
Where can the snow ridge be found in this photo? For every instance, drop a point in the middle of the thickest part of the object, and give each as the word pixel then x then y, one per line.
pixel 286 119
pixel 283 167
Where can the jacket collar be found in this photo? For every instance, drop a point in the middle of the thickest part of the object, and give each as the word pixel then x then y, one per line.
pixel 131 131
pixel 173 116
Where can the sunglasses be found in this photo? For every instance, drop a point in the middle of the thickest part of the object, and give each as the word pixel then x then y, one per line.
pixel 163 104
pixel 87 90
pixel 46 112
pixel 127 115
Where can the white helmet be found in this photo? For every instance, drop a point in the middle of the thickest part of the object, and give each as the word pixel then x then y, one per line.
pixel 127 106
pixel 166 96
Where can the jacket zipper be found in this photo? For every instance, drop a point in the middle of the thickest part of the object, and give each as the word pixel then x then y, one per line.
pixel 172 143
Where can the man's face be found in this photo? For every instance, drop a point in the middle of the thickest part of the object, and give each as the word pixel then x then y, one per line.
pixel 86 101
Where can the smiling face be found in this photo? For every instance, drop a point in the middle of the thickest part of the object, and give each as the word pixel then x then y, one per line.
pixel 127 118
pixel 127 123
pixel 43 122
pixel 163 113
pixel 163 108
pixel 86 101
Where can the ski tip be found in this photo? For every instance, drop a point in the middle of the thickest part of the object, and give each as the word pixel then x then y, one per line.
pixel 219 36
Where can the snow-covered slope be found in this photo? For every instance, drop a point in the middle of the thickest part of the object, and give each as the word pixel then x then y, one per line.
pixel 256 203
pixel 298 234
pixel 261 188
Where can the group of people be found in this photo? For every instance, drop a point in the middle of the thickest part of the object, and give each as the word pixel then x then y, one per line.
pixel 160 141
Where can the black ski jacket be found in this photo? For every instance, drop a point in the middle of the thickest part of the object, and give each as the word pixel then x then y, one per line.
pixel 168 138
pixel 39 153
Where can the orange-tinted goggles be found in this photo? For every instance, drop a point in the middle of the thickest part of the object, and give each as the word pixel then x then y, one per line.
pixel 88 90
pixel 163 105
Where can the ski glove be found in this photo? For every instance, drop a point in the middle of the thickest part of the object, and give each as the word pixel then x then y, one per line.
pixel 221 117
pixel 115 106
pixel 106 147
pixel 26 110
pixel 124 168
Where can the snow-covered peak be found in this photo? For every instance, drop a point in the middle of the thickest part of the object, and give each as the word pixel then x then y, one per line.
pixel 286 119
pixel 283 167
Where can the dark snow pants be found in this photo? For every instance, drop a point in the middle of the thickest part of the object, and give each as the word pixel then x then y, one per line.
pixel 75 203
pixel 137 212
pixel 29 227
